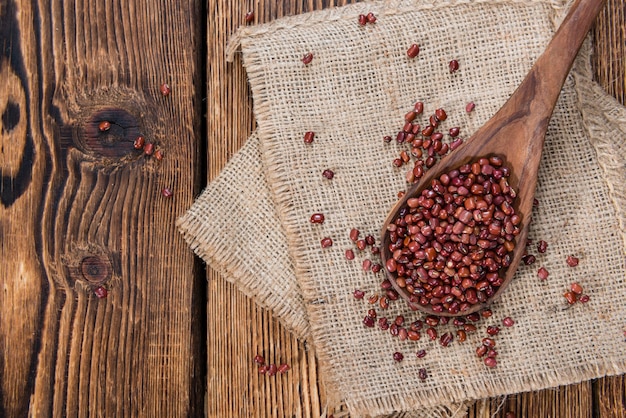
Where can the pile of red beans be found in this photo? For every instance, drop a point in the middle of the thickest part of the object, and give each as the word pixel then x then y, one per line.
pixel 449 245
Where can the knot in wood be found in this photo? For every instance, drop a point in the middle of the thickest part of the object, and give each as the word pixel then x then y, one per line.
pixel 95 269
pixel 110 133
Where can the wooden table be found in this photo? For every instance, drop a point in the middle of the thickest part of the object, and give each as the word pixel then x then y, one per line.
pixel 82 210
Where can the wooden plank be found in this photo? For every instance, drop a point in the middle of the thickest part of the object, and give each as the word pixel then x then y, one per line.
pixel 573 401
pixel 234 387
pixel 82 209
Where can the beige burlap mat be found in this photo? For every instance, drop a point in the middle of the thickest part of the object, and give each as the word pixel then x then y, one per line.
pixel 234 228
pixel 240 236
pixel 354 92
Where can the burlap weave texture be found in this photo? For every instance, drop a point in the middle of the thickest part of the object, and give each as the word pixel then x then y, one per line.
pixel 355 91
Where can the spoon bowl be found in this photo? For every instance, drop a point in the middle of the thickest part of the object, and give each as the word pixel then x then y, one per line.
pixel 515 133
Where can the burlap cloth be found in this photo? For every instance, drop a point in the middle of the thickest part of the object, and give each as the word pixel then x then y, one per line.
pixel 252 223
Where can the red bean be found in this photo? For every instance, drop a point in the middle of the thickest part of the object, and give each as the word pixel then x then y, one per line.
pixel 570 297
pixel 368 321
pixel 446 339
pixel 576 288
pixel 349 254
pixel 454 132
pixel 362 20
pixel 422 374
pixel 367 265
pixel 307 58
pixel 481 351
pixel 420 353
pixel 492 330
pixel 584 299
pixel 317 218
pixel 371 18
pixel 508 322
pixel 165 89
pixel 490 362
pixel 139 142
pixel 354 234
pixel 413 51
pixel 358 294
pixel 148 148
pixel 166 192
pixel 542 273
pixel 413 335
pixel 441 114
pixel 104 126
pixel 308 137
pixel 528 259
pixel 398 356
pixel 329 174
pixel 258 359
pixel 419 107
pixel 488 342
pixel 572 261
pixel 283 368
pixel 469 107
pixel 542 246
pixel 432 333
pixel 101 292
pixel 454 66
pixel 272 369
pixel 326 242
pixel 249 17
pixel 469 328
pixel 263 369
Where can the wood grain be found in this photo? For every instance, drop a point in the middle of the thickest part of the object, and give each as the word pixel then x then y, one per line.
pixel 83 209
pixel 234 386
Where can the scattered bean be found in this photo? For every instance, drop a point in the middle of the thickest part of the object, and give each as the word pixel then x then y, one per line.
pixel 317 218
pixel 413 51
pixel 165 89
pixel 104 126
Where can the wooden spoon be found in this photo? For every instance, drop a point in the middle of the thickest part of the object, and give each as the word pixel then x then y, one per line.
pixel 516 132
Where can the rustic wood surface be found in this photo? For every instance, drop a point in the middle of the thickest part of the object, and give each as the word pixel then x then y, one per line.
pixel 234 386
pixel 81 208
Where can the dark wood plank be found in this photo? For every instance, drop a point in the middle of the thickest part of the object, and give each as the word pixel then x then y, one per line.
pixel 83 209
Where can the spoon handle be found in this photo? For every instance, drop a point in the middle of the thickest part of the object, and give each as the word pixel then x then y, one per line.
pixel 551 68
pixel 518 128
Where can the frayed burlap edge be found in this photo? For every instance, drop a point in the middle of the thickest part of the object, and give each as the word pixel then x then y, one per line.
pixel 384 7
pixel 605 121
pixel 205 227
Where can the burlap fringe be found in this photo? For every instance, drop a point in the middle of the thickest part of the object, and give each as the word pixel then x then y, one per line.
pixel 381 8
